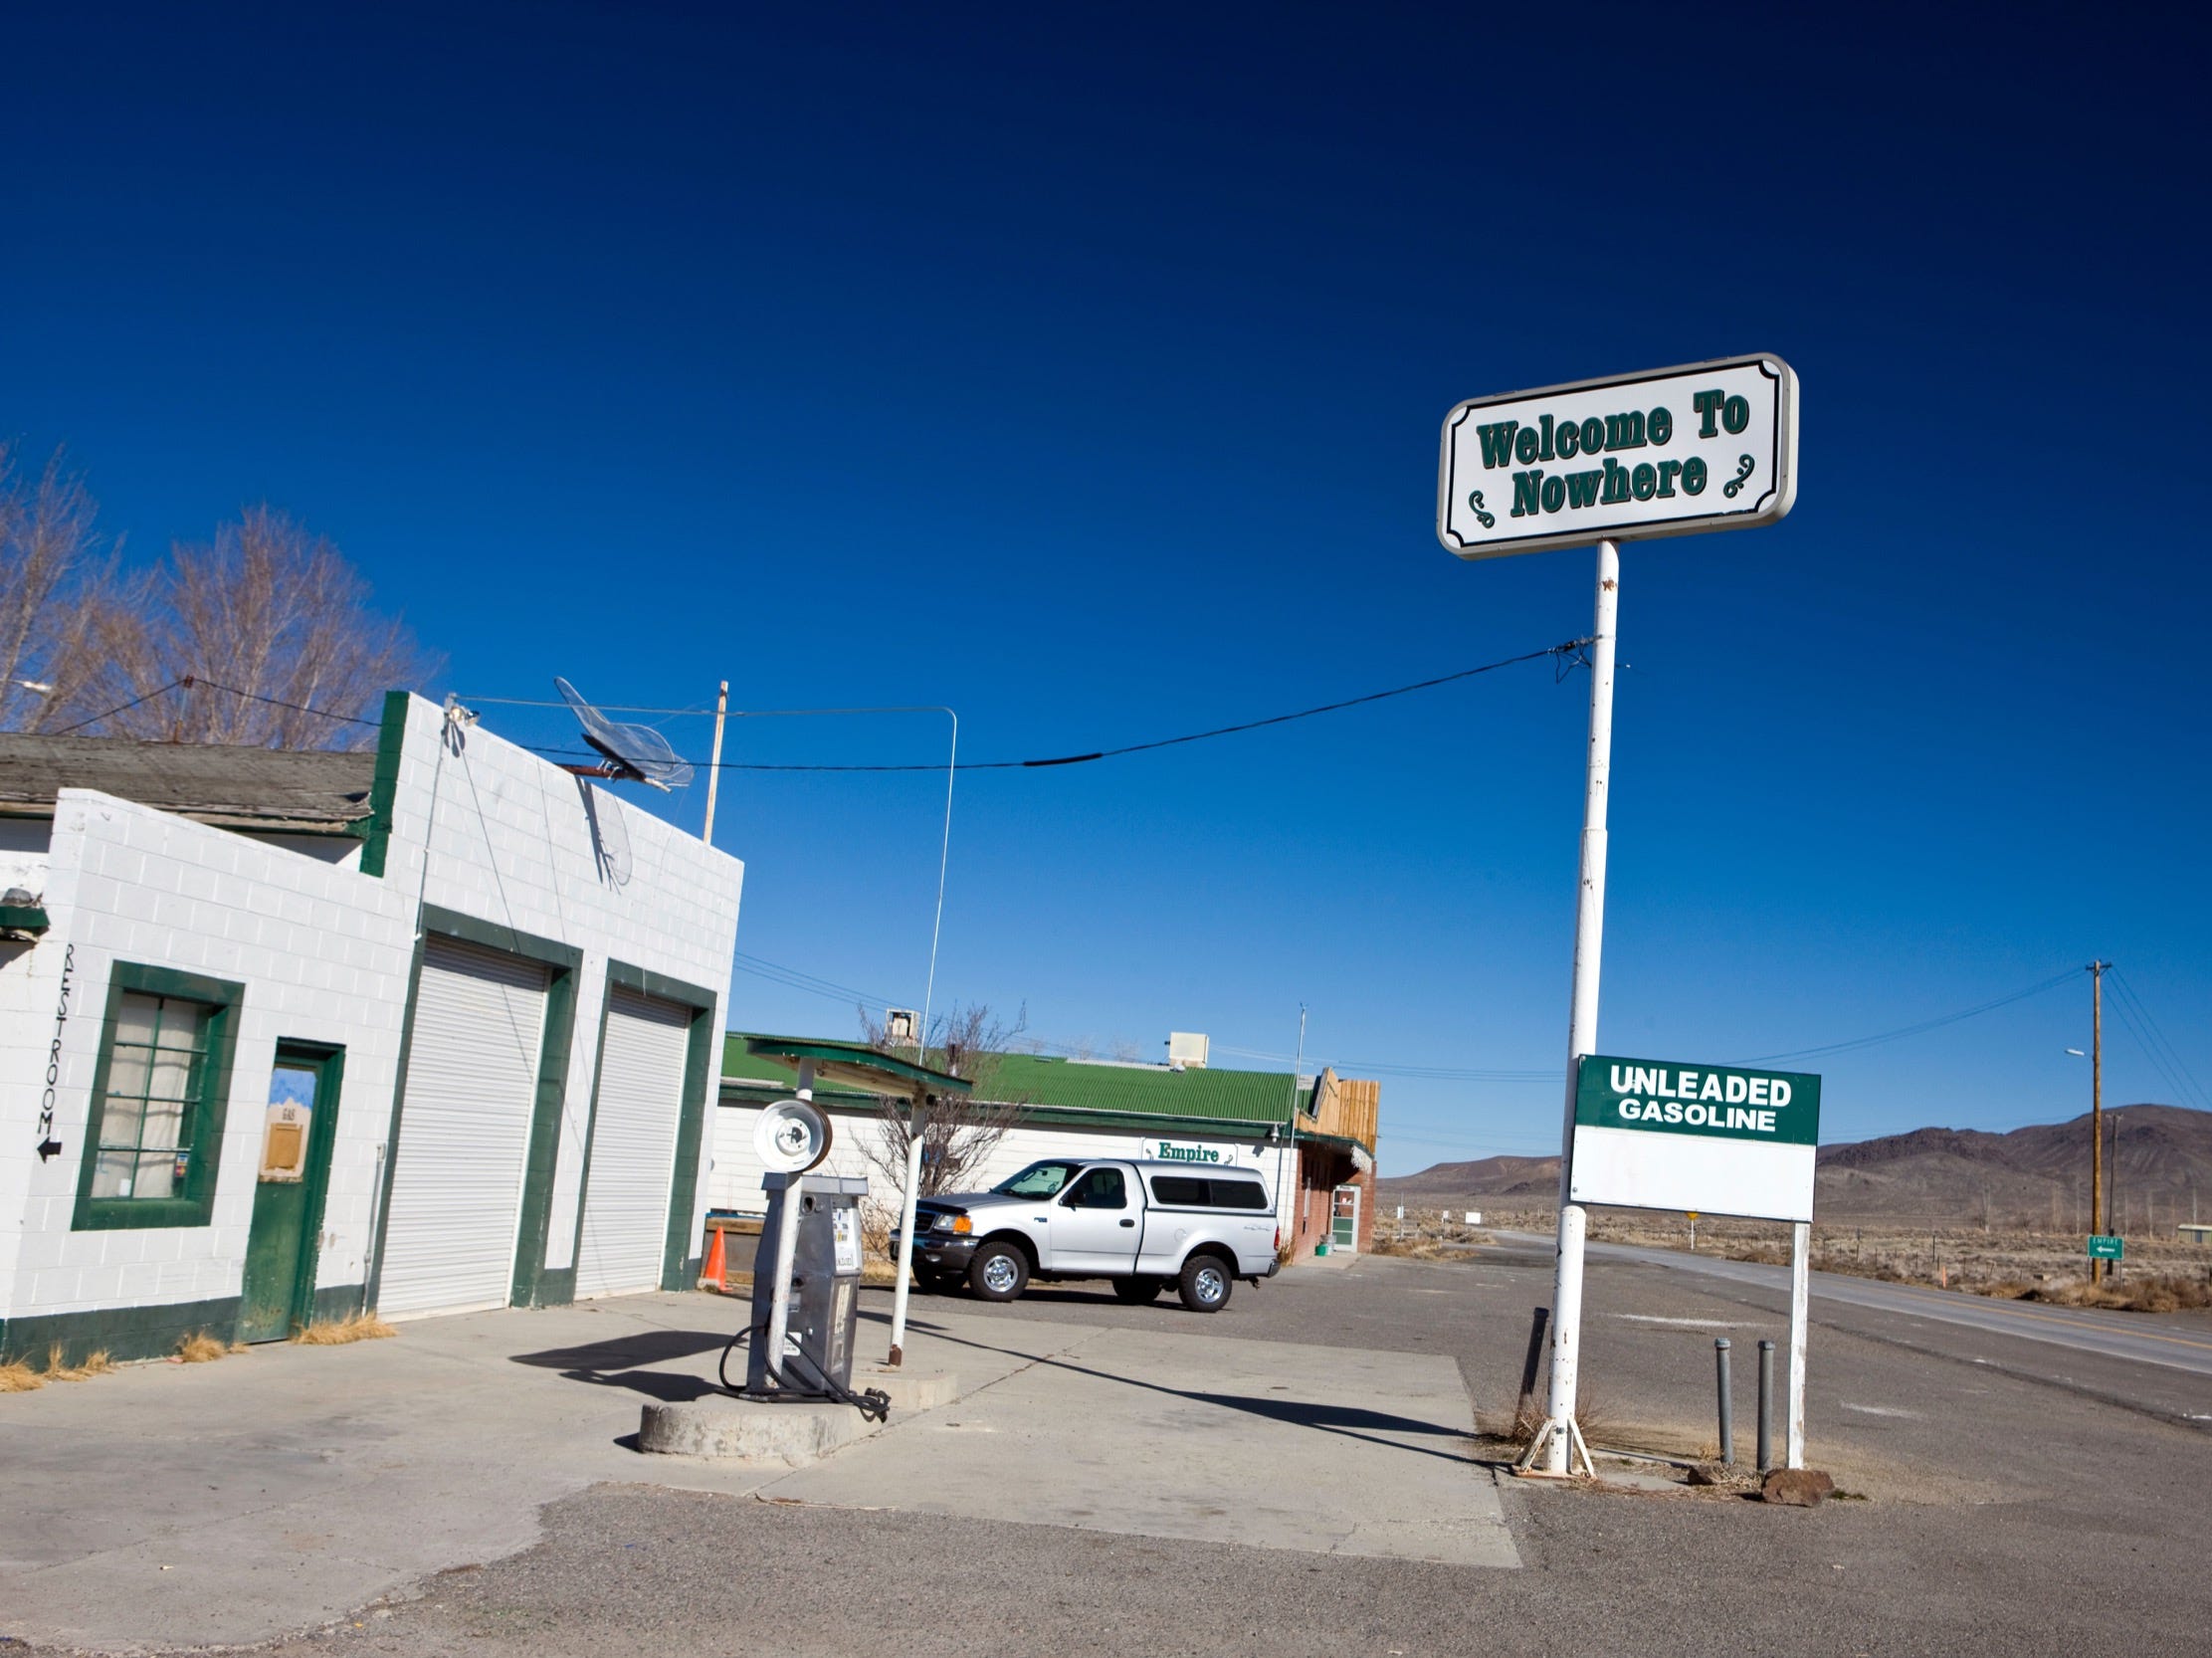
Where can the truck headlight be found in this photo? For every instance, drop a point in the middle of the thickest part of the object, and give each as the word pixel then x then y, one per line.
pixel 951 1223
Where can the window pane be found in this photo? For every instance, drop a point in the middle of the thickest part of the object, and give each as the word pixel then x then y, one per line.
pixel 112 1174
pixel 157 1175
pixel 120 1123
pixel 170 1077
pixel 126 1070
pixel 164 1124
pixel 134 1019
pixel 289 1084
pixel 181 1023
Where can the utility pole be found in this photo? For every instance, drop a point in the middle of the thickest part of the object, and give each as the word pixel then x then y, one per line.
pixel 2099 1204
pixel 714 771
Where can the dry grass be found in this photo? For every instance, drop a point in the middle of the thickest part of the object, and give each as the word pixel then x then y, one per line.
pixel 58 1368
pixel 2165 1294
pixel 18 1378
pixel 338 1333
pixel 2161 1275
pixel 200 1349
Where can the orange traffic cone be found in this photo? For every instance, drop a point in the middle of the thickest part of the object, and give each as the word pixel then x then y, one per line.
pixel 715 1277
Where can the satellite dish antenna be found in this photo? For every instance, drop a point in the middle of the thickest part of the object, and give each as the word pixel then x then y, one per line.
pixel 791 1137
pixel 635 753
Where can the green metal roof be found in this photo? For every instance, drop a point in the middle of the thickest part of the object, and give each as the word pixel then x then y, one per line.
pixel 1141 1094
pixel 853 1065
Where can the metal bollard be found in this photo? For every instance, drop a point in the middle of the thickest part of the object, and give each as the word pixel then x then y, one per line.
pixel 1728 1413
pixel 1766 1407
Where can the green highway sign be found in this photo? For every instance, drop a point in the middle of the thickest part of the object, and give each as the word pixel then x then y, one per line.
pixel 1659 1097
pixel 2101 1248
pixel 1728 1140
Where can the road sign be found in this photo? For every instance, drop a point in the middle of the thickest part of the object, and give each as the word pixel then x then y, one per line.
pixel 2101 1248
pixel 1709 445
pixel 1658 1134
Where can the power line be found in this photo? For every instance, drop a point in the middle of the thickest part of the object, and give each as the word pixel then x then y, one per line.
pixel 2153 1041
pixel 191 680
pixel 1923 1027
pixel 1560 650
pixel 125 709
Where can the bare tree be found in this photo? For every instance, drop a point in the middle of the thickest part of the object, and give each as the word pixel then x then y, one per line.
pixel 57 586
pixel 273 625
pixel 958 1134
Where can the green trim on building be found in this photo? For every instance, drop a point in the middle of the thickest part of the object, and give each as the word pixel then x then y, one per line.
pixel 691 1120
pixel 122 1333
pixel 736 1092
pixel 535 1224
pixel 679 1271
pixel 96 1214
pixel 373 1280
pixel 552 1080
pixel 24 918
pixel 328 1062
pixel 391 743
pixel 1138 1095
pixel 472 930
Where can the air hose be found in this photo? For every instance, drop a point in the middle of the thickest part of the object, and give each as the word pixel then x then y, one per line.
pixel 874 1404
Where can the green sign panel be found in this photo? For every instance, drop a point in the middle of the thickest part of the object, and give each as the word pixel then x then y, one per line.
pixel 1780 1107
pixel 2101 1248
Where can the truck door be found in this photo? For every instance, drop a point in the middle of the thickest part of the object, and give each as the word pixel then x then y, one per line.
pixel 1099 1225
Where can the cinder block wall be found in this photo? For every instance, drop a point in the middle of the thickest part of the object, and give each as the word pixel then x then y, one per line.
pixel 486 828
pixel 323 953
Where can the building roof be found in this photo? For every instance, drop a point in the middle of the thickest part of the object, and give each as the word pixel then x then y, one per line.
pixel 1101 1091
pixel 307 790
pixel 855 1066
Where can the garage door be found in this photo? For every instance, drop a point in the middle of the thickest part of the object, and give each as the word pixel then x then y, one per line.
pixel 463 1130
pixel 633 1144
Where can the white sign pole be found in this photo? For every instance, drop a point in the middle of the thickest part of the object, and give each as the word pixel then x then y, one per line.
pixel 1589 941
pixel 918 1128
pixel 1800 1284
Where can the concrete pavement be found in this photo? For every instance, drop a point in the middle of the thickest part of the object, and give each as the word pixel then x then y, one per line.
pixel 276 1490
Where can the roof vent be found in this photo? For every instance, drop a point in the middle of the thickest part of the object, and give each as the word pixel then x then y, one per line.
pixel 1186 1050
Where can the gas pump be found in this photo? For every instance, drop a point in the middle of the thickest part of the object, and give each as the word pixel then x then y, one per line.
pixel 806 1281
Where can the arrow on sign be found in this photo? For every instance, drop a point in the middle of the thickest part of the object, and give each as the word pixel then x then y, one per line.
pixel 48 1149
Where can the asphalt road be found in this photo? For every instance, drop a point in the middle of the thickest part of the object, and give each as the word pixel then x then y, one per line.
pixel 2008 1495
pixel 2127 1335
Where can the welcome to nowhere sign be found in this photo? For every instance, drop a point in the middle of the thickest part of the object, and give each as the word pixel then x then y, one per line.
pixel 1712 446
pixel 1656 1134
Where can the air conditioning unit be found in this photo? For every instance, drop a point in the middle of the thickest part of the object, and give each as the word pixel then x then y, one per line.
pixel 1186 1050
pixel 902 1027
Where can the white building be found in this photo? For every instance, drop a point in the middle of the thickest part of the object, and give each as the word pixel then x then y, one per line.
pixel 1311 1139
pixel 286 1036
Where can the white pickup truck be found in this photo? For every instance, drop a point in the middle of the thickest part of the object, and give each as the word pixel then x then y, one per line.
pixel 1144 1225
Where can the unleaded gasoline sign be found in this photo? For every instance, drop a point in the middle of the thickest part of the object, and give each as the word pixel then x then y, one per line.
pixel 1712 446
pixel 1656 1135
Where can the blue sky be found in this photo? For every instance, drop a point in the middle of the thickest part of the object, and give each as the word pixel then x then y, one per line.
pixel 1082 369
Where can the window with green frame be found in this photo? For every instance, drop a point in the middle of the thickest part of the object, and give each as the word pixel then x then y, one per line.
pixel 156 1125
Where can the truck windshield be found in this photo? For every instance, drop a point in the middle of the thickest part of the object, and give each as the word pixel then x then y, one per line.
pixel 1038 1179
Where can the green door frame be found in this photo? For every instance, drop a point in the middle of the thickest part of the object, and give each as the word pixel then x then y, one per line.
pixel 328 1061
pixel 562 963
pixel 678 1268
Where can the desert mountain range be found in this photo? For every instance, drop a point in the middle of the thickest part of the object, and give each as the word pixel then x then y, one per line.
pixel 2037 1176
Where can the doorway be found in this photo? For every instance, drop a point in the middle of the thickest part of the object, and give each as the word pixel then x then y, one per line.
pixel 294 1174
pixel 1343 1228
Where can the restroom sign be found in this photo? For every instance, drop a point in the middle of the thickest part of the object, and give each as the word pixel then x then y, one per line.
pixel 1671 452
pixel 1720 1138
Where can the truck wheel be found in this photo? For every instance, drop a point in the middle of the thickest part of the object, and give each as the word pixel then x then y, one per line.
pixel 999 1272
pixel 1205 1284
pixel 1137 1291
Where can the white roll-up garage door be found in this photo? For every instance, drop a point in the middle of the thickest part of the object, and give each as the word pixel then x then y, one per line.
pixel 633 1144
pixel 463 1130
